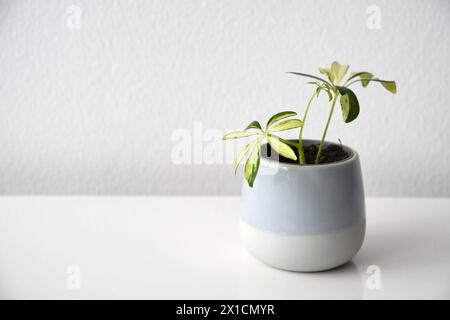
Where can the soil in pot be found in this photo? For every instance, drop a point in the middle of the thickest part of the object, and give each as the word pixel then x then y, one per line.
pixel 330 153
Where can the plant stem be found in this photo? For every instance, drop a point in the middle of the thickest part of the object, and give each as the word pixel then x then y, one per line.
pixel 336 94
pixel 301 151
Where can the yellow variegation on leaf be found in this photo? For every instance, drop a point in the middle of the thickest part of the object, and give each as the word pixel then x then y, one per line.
pixel 252 164
pixel 339 71
pixel 286 125
pixel 281 147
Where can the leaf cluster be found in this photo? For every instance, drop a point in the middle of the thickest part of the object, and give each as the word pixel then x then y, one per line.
pixel 253 149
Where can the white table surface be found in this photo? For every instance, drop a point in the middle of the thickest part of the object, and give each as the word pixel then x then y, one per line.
pixel 189 248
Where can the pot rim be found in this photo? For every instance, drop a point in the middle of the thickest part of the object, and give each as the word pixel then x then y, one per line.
pixel 353 157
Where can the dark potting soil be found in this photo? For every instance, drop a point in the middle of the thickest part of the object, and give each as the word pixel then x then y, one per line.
pixel 330 153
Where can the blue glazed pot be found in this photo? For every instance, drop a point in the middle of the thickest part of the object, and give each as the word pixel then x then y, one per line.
pixel 304 218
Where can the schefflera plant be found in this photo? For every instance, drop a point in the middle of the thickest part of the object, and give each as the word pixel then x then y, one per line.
pixel 274 125
pixel 336 87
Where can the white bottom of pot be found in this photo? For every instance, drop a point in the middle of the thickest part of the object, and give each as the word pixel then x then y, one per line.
pixel 306 253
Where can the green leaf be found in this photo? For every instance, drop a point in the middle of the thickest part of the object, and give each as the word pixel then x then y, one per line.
pixel 311 76
pixel 238 134
pixel 280 147
pixel 389 86
pixel 318 91
pixel 252 164
pixel 363 75
pixel 365 79
pixel 242 154
pixel 279 116
pixel 339 71
pixel 288 142
pixel 253 125
pixel 326 89
pixel 286 125
pixel 349 104
pixel 328 72
pixel 330 96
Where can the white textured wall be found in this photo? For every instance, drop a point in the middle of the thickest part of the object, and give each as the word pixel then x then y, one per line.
pixel 93 111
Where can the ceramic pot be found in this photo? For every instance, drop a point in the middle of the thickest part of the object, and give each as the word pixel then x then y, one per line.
pixel 304 218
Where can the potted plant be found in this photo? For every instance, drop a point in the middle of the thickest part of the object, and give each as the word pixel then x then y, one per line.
pixel 306 209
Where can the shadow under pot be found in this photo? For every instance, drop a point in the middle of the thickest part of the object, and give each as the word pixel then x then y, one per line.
pixel 304 218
